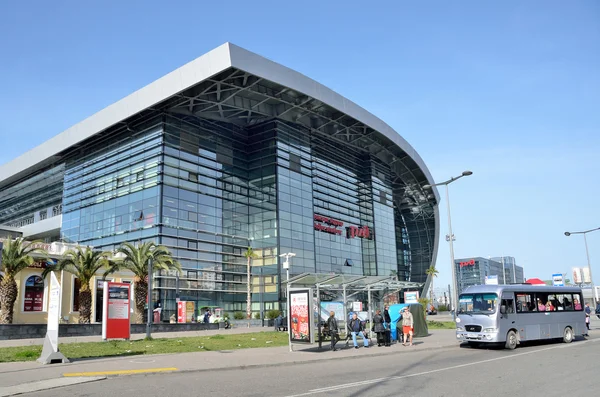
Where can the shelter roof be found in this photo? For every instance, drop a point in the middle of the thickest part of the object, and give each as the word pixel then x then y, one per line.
pixel 351 282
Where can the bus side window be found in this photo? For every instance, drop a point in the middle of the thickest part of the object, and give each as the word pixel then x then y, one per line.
pixel 525 302
pixel 508 305
pixel 567 302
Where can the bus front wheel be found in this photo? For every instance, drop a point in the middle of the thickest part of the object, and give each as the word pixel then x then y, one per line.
pixel 511 340
pixel 568 335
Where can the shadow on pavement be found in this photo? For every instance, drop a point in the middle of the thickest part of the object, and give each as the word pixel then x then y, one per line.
pixel 500 346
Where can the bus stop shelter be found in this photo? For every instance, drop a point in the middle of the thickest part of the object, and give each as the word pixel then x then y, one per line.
pixel 346 286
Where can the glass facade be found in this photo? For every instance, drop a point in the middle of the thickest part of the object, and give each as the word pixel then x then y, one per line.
pixel 512 272
pixel 473 271
pixel 111 190
pixel 238 161
pixel 33 199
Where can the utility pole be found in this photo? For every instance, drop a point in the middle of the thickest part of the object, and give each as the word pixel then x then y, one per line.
pixel 149 319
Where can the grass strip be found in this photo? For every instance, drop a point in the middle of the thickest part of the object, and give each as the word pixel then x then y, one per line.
pixel 154 346
pixel 441 324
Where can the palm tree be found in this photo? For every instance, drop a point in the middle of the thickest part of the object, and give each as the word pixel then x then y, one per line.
pixel 249 255
pixel 16 256
pixel 135 259
pixel 424 302
pixel 84 264
pixel 431 272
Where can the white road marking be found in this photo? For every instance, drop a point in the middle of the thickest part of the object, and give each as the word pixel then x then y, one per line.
pixel 371 381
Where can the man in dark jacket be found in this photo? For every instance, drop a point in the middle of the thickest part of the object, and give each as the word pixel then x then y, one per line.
pixel 588 316
pixel 388 326
pixel 355 327
pixel 333 329
pixel 379 327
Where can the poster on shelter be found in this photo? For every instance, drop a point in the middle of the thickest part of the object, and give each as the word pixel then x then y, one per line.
pixel 336 307
pixel 411 297
pixel 300 307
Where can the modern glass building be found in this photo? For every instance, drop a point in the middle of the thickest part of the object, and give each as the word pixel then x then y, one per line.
pixel 229 151
pixel 478 271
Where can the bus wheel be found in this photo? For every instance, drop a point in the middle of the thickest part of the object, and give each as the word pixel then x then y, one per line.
pixel 568 335
pixel 511 340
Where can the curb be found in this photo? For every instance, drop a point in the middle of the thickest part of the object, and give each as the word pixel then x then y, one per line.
pixel 48 384
pixel 299 362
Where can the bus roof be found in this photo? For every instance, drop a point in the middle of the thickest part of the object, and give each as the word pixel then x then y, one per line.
pixel 519 288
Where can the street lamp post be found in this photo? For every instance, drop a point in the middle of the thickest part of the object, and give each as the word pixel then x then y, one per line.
pixel 587 253
pixel 286 264
pixel 450 237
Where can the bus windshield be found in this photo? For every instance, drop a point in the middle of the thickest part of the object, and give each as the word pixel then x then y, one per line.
pixel 477 303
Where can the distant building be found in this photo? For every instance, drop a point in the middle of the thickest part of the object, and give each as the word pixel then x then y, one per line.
pixel 513 273
pixel 476 270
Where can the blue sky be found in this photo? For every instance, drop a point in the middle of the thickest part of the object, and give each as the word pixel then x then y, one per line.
pixel 509 90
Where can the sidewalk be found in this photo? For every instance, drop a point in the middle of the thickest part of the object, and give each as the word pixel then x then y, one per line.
pixel 12 374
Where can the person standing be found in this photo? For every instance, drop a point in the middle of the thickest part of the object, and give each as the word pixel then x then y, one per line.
pixel 333 329
pixel 278 321
pixel 378 327
pixel 356 328
pixel 588 316
pixel 388 326
pixel 407 326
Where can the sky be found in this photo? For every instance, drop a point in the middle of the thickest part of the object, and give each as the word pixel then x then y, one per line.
pixel 508 90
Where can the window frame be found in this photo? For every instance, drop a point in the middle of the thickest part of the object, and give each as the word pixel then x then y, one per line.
pixel 22 294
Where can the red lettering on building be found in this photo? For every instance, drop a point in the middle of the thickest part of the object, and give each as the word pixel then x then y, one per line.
pixel 329 221
pixel 361 232
pixel 327 229
pixel 468 263
pixel 331 226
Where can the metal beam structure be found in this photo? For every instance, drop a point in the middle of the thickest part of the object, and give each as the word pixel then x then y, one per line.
pixel 237 97
pixel 234 86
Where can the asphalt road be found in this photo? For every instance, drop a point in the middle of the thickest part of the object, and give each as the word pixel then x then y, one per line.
pixel 535 370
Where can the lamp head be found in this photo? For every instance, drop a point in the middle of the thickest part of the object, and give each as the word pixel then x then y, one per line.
pixel 427 186
pixel 567 234
pixel 467 173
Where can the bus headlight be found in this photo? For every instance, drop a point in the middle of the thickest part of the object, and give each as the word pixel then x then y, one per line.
pixel 490 330
pixel 457 320
pixel 460 329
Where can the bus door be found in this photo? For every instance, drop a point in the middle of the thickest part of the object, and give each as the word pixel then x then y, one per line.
pixel 508 317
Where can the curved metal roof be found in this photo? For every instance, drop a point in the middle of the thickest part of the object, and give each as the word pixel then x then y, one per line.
pixel 210 64
pixel 233 85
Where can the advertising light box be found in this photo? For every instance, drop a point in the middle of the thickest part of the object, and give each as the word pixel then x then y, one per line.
pixel 116 313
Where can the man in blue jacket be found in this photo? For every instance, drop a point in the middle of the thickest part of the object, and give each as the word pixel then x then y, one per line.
pixel 356 328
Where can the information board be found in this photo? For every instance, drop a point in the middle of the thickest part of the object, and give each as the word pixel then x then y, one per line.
pixel 115 316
